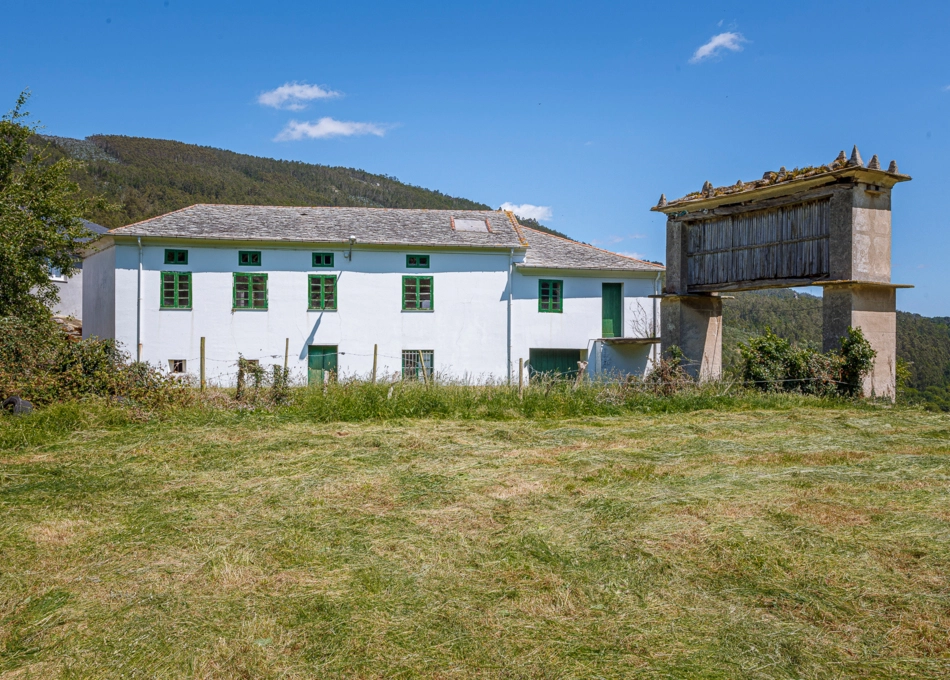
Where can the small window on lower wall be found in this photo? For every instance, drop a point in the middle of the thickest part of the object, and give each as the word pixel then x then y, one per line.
pixel 176 365
pixel 176 290
pixel 250 291
pixel 417 364
pixel 550 296
pixel 322 292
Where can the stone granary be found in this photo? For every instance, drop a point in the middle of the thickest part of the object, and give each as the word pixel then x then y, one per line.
pixel 828 226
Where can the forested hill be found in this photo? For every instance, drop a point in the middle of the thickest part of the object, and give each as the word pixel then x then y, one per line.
pixel 148 177
pixel 923 342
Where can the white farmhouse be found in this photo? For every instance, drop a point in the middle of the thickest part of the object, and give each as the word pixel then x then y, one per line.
pixel 464 294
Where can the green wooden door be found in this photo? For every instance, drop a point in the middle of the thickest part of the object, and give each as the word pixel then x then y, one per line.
pixel 612 304
pixel 321 363
pixel 558 362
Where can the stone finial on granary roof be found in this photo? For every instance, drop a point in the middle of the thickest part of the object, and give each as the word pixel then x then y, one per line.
pixel 785 182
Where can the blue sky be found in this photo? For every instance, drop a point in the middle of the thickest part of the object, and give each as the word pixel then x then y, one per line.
pixel 588 110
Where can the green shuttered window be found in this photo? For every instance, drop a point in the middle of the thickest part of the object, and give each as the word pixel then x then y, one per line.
pixel 550 296
pixel 417 293
pixel 250 291
pixel 417 261
pixel 176 290
pixel 322 292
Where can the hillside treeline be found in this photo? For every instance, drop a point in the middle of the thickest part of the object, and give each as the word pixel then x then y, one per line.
pixel 147 177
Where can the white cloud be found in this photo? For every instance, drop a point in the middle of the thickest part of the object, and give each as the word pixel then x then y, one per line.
pixel 528 211
pixel 723 41
pixel 636 256
pixel 326 128
pixel 294 96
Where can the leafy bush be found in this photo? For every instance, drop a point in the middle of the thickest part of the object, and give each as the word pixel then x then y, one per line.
pixel 39 362
pixel 771 363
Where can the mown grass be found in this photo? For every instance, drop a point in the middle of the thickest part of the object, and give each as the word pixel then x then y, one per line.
pixel 805 540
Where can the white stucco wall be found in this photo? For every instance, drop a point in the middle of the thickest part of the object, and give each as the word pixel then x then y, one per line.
pixel 581 321
pixel 70 296
pixel 98 295
pixel 467 330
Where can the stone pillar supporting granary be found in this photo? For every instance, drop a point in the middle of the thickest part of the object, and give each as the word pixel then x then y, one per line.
pixel 827 226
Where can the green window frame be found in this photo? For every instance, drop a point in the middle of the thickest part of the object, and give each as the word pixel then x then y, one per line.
pixel 250 291
pixel 323 259
pixel 551 296
pixel 175 290
pixel 249 258
pixel 412 366
pixel 418 294
pixel 417 261
pixel 321 292
pixel 176 256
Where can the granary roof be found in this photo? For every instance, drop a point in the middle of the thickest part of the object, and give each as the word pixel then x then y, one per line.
pixel 546 251
pixel 375 226
pixel 785 182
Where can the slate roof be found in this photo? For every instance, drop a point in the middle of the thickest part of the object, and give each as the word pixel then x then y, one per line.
pixel 546 251
pixel 379 226
pixel 95 228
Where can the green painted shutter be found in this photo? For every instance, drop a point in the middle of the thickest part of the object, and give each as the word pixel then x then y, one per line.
pixel 612 305
pixel 558 362
pixel 321 361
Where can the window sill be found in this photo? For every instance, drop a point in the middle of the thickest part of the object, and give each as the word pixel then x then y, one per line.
pixel 174 309
pixel 249 309
pixel 419 311
pixel 317 309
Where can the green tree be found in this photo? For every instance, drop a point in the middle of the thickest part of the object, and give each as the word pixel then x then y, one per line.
pixel 41 210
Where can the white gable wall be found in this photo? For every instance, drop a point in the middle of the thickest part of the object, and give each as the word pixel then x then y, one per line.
pixel 581 322
pixel 98 309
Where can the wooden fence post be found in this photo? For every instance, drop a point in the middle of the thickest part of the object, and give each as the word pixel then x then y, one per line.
pixel 521 378
pixel 202 363
pixel 425 373
pixel 375 350
pixel 286 352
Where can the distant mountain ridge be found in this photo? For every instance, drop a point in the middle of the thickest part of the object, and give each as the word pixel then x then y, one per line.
pixel 148 177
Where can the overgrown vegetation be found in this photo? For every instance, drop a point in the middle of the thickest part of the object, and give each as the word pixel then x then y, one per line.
pixel 40 363
pixel 771 363
pixel 923 343
pixel 791 543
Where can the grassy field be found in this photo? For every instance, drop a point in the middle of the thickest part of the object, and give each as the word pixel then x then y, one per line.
pixel 801 542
